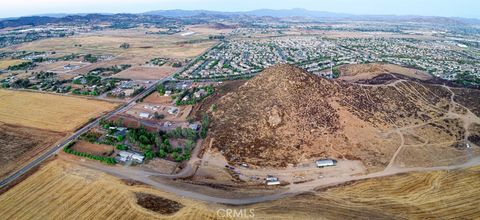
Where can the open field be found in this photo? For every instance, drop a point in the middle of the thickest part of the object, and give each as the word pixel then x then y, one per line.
pixel 19 144
pixel 94 149
pixel 208 29
pixel 4 64
pixel 420 195
pixel 108 42
pixel 61 190
pixel 352 73
pixel 64 190
pixel 145 73
pixel 156 98
pixel 50 112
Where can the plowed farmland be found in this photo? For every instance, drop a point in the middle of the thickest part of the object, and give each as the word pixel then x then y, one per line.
pixel 19 144
pixel 50 112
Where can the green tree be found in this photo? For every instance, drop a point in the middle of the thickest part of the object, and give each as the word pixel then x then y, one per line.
pixel 161 89
pixel 149 154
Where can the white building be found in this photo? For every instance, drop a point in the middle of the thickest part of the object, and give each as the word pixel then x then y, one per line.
pixel 172 110
pixel 325 163
pixel 144 115
pixel 272 181
pixel 125 156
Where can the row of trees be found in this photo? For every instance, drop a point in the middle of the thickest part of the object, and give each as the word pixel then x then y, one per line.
pixel 90 136
pixel 107 160
pixel 23 66
pixel 205 124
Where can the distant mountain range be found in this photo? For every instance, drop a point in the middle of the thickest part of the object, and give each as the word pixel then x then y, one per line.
pixel 296 12
pixel 284 13
pixel 299 12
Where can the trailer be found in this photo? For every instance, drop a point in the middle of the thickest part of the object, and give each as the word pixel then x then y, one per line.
pixel 325 163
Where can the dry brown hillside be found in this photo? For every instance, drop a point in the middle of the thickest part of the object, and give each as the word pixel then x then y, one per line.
pixel 285 116
pixel 355 72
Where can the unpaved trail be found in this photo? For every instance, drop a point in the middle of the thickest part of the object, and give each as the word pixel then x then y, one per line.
pixel 293 189
pixel 399 149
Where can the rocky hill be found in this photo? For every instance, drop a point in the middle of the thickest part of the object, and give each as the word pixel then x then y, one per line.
pixel 285 116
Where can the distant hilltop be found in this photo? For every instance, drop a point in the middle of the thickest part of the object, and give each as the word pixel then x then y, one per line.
pixel 281 13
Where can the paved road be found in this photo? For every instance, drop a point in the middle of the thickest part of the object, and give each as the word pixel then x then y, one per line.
pixel 75 135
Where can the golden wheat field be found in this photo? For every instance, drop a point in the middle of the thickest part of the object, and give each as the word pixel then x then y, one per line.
pixel 47 111
pixel 61 190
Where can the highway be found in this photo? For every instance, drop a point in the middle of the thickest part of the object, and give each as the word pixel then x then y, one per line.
pixel 79 132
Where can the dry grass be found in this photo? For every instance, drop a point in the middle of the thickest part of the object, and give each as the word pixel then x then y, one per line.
pixel 142 45
pixel 50 112
pixel 4 64
pixel 356 72
pixel 61 190
pixel 431 195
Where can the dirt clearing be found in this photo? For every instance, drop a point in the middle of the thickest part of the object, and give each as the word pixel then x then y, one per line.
pixel 146 73
pixel 94 149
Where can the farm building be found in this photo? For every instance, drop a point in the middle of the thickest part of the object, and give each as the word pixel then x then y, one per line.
pixel 144 115
pixel 124 156
pixel 194 126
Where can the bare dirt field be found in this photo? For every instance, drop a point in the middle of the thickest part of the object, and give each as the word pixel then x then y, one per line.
pixel 146 73
pixel 156 98
pixel 95 149
pixel 46 111
pixel 20 144
pixel 61 190
pixel 161 165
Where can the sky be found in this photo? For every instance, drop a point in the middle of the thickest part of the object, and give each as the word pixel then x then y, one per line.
pixel 448 8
